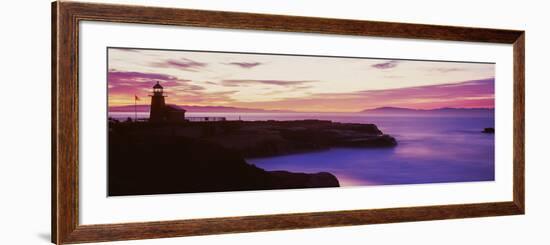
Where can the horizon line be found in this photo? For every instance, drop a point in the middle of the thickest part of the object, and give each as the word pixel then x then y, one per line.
pixel 294 111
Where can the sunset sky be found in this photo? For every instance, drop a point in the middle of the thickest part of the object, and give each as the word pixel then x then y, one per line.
pixel 297 83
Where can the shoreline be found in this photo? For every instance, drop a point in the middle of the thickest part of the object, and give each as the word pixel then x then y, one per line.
pixel 179 156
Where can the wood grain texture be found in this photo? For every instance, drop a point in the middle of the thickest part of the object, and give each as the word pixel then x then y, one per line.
pixel 54 122
pixel 195 227
pixel 234 20
pixel 66 123
pixel 65 221
pixel 519 122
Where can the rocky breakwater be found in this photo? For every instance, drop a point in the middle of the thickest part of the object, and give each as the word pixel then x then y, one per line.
pixel 273 138
pixel 192 157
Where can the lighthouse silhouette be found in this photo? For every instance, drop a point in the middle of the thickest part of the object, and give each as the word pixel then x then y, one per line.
pixel 157 104
pixel 160 112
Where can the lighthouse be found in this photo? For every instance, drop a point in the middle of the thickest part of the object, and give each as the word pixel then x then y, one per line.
pixel 157 104
pixel 160 112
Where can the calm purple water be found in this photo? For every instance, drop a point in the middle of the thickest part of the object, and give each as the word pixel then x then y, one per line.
pixel 431 149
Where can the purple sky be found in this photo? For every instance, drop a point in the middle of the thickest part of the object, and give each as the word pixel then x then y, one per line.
pixel 297 83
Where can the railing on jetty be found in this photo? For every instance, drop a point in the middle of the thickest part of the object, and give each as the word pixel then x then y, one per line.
pixel 205 119
pixel 187 119
pixel 128 119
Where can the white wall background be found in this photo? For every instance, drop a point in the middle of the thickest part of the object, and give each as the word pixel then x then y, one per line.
pixel 25 121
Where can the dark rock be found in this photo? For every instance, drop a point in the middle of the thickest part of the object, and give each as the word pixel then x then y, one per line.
pixel 141 164
pixel 272 138
pixel 322 179
pixel 289 180
pixel 365 141
pixel 189 157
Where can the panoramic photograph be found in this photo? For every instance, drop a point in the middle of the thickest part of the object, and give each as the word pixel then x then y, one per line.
pixel 182 121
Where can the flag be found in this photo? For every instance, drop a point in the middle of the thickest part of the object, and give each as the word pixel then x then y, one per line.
pixel 136 98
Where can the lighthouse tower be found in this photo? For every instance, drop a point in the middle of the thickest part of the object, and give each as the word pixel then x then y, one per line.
pixel 157 104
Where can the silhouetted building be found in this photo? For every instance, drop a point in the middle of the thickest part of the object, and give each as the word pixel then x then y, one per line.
pixel 174 114
pixel 160 112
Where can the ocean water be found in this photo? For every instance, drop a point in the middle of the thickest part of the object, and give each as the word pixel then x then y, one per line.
pixel 431 149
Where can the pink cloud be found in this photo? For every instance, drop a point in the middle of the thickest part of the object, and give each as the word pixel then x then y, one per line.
pixel 128 83
pixel 238 82
pixel 203 98
pixel 182 64
pixel 246 65
pixel 467 94
pixel 386 65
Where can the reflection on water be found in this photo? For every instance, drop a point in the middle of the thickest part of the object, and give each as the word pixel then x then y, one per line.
pixel 431 149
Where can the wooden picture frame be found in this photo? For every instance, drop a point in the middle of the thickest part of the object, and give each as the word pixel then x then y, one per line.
pixel 65 121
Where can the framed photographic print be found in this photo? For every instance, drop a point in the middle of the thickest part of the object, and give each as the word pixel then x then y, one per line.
pixel 174 122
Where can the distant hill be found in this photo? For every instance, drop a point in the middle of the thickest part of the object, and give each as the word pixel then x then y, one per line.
pixel 146 108
pixel 447 110
pixel 380 110
pixel 389 109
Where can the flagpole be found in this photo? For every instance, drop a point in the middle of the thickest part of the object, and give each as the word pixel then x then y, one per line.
pixel 135 108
